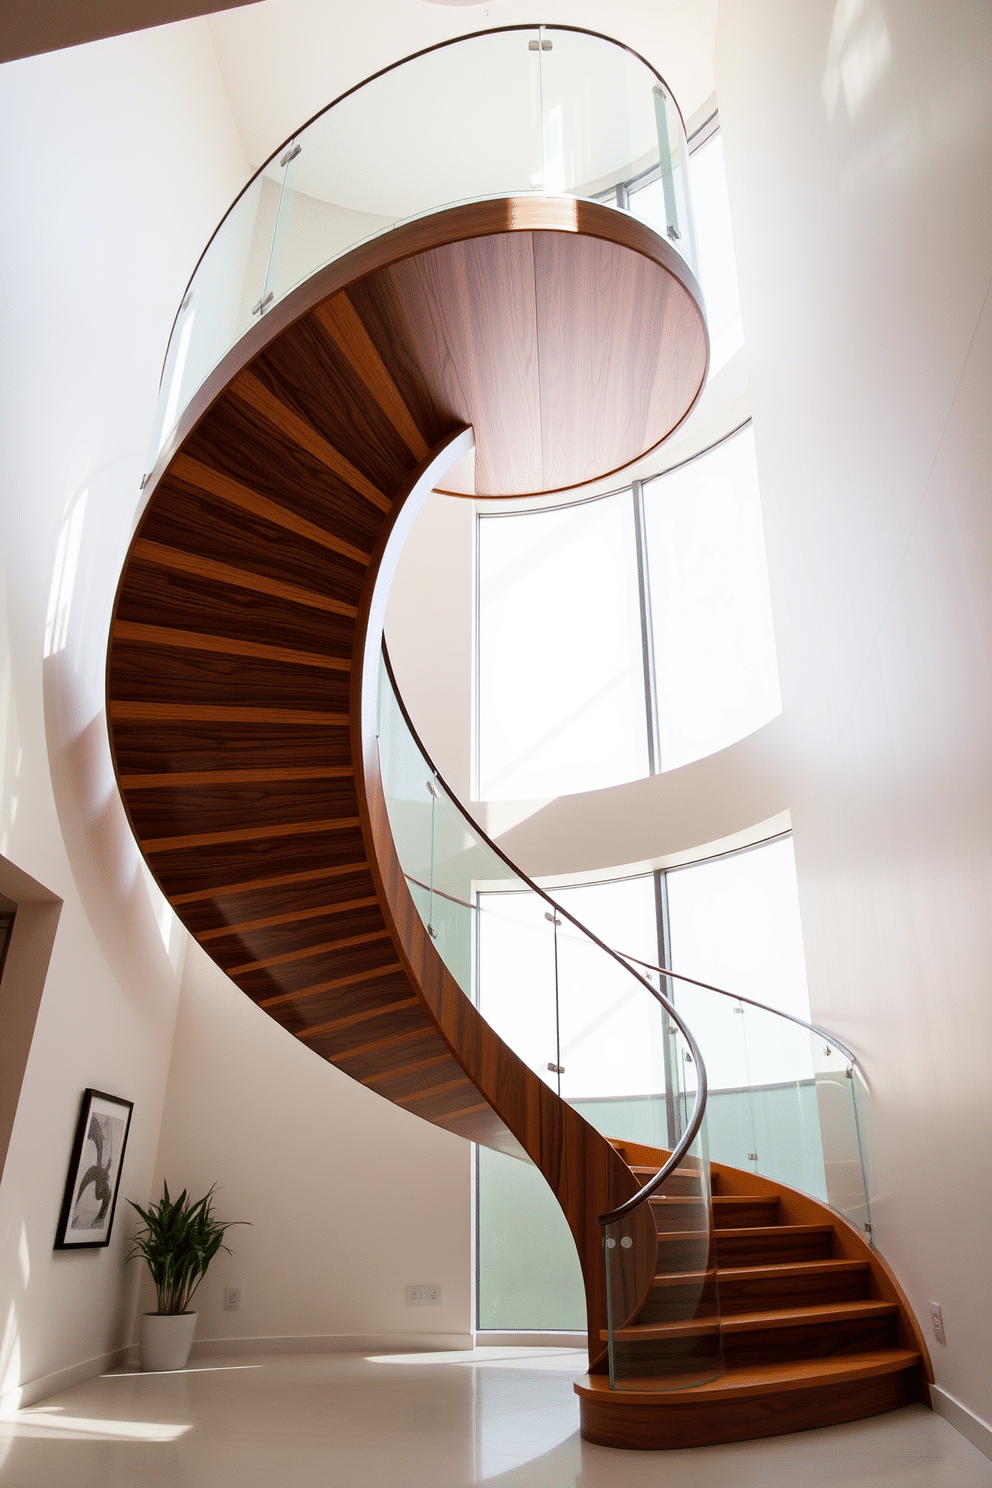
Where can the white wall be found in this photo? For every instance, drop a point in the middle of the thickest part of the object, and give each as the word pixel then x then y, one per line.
pixel 858 144
pixel 350 1198
pixel 108 193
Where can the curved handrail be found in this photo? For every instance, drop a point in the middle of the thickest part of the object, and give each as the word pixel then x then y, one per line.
pixel 699 1109
pixel 680 976
pixel 372 77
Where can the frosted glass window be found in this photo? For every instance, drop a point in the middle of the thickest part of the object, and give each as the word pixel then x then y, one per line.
pixel 715 249
pixel 715 664
pixel 561 705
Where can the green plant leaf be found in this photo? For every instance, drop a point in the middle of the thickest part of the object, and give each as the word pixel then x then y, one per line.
pixel 178 1242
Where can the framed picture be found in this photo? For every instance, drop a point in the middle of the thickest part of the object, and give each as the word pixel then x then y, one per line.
pixel 94 1172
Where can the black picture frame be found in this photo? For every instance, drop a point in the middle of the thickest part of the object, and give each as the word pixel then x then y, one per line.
pixel 94 1177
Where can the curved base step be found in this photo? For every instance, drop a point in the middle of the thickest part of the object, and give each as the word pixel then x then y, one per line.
pixel 750 1401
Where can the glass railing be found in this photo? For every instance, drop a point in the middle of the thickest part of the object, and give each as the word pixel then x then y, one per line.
pixel 785 1098
pixel 538 110
pixel 674 1339
pixel 592 1029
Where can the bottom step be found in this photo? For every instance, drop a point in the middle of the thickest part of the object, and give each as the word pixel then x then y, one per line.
pixel 750 1401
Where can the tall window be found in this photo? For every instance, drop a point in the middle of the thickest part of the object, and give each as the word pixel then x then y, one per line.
pixel 561 690
pixel 627 634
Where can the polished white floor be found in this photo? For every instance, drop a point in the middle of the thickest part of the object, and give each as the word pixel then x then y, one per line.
pixel 506 1417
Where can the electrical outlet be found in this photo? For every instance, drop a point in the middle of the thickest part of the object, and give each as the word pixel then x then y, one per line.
pixel 423 1296
pixel 232 1299
pixel 938 1322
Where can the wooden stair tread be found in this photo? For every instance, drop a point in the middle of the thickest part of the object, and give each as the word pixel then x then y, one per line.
pixel 744 1380
pixel 785 1269
pixel 742 1322
pixel 720 1201
pixel 781 1269
pixel 754 1231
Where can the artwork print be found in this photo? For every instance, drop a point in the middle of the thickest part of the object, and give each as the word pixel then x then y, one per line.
pixel 94 1176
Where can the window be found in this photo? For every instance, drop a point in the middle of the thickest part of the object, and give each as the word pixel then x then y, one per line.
pixel 716 673
pixel 605 656
pixel 561 698
pixel 732 921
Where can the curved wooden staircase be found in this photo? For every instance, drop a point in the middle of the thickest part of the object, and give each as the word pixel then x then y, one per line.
pixel 816 1330
pixel 558 340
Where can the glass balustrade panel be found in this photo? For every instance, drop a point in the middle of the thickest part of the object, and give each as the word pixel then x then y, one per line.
pixel 222 302
pixel 717 1025
pixel 663 1303
pixel 613 1043
pixel 842 1107
pixel 505 113
pixel 600 126
pixel 460 123
pixel 783 1099
pixel 492 931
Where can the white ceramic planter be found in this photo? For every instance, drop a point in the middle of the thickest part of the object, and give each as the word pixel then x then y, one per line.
pixel 166 1339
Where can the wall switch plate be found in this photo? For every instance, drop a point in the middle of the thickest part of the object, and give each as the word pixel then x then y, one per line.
pixel 232 1299
pixel 938 1322
pixel 423 1296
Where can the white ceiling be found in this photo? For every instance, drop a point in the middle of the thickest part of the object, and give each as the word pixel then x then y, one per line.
pixel 283 60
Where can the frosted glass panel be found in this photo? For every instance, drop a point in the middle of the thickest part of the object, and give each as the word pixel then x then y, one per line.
pixel 562 691
pixel 529 1273
pixel 715 663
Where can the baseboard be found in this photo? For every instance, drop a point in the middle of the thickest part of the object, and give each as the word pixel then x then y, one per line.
pixel 332 1343
pixel 31 1391
pixel 492 1339
pixel 977 1431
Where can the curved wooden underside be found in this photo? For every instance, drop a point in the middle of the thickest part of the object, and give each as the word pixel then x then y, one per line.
pixel 242 672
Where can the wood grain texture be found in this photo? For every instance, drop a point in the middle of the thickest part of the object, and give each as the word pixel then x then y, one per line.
pixel 806 1342
pixel 770 1401
pixel 419 356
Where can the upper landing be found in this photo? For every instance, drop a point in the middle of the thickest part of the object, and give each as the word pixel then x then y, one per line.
pixel 519 199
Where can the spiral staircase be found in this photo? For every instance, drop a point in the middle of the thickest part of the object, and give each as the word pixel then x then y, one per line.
pixel 552 340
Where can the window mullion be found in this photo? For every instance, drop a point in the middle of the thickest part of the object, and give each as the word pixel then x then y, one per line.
pixel 652 716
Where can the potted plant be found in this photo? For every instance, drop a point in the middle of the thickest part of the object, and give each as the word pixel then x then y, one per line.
pixel 179 1239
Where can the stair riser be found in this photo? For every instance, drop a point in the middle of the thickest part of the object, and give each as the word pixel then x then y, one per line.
pixel 678 1360
pixel 770 1250
pixel 679 1185
pixel 669 1216
pixel 679 1304
pixel 756 1294
pixel 687 1423
pixel 676 1254
pixel 673 1218
pixel 819 1341
pixel 658 1356
pixel 736 1216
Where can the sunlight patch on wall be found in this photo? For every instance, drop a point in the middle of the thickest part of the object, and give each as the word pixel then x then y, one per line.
pixel 858 56
pixel 64 578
